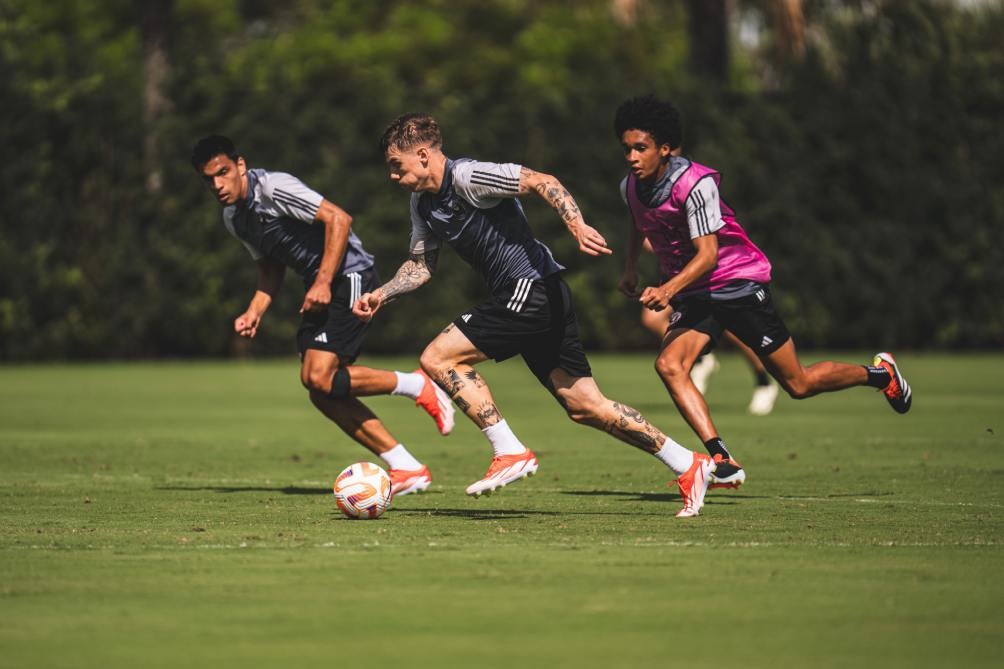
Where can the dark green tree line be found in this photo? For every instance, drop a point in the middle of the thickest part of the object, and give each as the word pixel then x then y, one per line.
pixel 867 169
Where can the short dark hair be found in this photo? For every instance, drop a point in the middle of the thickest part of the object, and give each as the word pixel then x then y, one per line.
pixel 410 130
pixel 652 115
pixel 211 146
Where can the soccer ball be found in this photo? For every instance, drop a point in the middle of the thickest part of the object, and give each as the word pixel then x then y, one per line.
pixel 362 490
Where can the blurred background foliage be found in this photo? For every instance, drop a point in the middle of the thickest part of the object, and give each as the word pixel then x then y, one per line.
pixel 860 143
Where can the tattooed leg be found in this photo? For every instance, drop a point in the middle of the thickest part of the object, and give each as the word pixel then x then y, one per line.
pixel 585 404
pixel 626 424
pixel 470 393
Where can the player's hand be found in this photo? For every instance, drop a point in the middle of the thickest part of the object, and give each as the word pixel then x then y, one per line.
pixel 629 283
pixel 317 298
pixel 366 306
pixel 655 298
pixel 246 325
pixel 591 242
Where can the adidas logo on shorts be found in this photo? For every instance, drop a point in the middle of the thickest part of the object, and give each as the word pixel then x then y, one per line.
pixel 465 318
pixel 323 338
pixel 765 342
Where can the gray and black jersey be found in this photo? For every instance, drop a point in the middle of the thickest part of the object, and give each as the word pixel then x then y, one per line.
pixel 476 212
pixel 277 220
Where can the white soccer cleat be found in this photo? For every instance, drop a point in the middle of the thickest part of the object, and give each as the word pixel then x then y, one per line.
pixel 694 485
pixel 504 470
pixel 762 402
pixel 702 370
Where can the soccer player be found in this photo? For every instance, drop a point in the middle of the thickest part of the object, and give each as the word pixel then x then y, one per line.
pixel 473 207
pixel 717 279
pixel 765 390
pixel 283 223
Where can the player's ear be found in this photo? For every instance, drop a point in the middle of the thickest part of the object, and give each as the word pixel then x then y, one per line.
pixel 423 155
pixel 242 167
pixel 665 151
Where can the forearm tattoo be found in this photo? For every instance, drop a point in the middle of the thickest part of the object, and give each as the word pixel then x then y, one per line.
pixel 630 426
pixel 555 194
pixel 414 272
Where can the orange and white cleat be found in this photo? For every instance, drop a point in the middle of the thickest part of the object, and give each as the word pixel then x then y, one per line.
pixel 727 473
pixel 406 481
pixel 504 470
pixel 436 403
pixel 694 484
pixel 898 391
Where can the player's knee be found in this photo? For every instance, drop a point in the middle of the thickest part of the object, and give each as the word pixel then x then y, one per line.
pixel 585 411
pixel 336 385
pixel 798 389
pixel 431 362
pixel 670 368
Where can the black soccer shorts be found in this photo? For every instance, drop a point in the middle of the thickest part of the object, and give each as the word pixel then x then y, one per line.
pixel 337 329
pixel 534 319
pixel 751 318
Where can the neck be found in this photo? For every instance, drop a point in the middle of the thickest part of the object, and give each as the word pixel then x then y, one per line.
pixel 244 188
pixel 437 172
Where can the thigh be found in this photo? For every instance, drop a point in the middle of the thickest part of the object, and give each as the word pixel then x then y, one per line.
pixel 754 321
pixel 559 347
pixel 694 315
pixel 337 330
pixel 683 346
pixel 573 392
pixel 316 363
pixel 454 347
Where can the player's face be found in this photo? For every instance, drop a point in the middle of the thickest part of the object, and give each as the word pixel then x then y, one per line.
pixel 226 178
pixel 409 169
pixel 645 158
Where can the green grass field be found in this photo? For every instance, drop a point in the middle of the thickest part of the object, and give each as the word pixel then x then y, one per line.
pixel 164 515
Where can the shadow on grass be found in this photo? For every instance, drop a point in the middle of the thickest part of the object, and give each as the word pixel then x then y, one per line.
pixel 655 496
pixel 477 514
pixel 286 490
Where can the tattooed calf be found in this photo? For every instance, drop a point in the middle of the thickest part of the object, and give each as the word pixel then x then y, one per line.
pixel 451 382
pixel 475 378
pixel 488 415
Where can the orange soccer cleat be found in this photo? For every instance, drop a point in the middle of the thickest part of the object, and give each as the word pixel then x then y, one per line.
pixel 898 391
pixel 504 470
pixel 406 481
pixel 694 484
pixel 436 403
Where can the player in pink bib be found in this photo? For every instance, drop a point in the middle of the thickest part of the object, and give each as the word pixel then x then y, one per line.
pixel 716 279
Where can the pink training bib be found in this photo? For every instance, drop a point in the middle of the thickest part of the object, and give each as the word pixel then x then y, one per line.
pixel 667 230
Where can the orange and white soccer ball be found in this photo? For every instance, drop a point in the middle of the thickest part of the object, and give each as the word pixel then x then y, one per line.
pixel 362 490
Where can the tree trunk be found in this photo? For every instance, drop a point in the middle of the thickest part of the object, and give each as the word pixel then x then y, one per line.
pixel 709 37
pixel 155 18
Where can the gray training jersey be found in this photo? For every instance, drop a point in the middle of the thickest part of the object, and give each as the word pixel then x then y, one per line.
pixel 476 212
pixel 278 221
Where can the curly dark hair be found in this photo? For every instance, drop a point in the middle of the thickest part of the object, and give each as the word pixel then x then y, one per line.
pixel 410 130
pixel 211 146
pixel 652 115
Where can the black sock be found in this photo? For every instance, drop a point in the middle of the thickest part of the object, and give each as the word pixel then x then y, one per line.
pixel 717 447
pixel 878 377
pixel 762 379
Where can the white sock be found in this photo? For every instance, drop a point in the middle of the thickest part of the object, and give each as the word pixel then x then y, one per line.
pixel 503 440
pixel 409 384
pixel 675 456
pixel 399 458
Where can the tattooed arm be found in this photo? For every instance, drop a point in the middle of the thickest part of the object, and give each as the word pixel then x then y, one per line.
pixel 413 273
pixel 591 242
